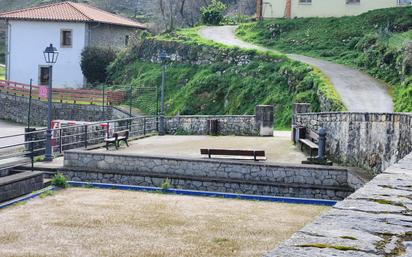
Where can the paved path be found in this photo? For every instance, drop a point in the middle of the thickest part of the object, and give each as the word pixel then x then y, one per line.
pixel 359 92
pixel 8 129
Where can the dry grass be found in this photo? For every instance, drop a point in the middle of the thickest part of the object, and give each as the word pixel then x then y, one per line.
pixel 93 222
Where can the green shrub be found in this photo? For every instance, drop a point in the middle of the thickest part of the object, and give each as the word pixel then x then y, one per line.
pixel 59 180
pixel 236 19
pixel 165 185
pixel 213 13
pixel 94 63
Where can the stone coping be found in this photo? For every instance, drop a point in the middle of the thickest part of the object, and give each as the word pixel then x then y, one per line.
pixel 375 221
pixel 210 116
pixel 13 162
pixel 370 113
pixel 226 161
pixel 19 177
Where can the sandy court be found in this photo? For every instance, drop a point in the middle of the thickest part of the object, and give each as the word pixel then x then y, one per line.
pixel 95 222
pixel 278 149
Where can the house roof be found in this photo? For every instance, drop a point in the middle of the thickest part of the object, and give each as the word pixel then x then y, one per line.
pixel 69 12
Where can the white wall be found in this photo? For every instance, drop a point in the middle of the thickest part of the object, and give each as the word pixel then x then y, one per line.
pixel 28 41
pixel 324 8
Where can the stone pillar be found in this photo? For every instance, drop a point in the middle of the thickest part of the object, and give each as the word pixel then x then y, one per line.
pixel 322 144
pixel 300 108
pixel 265 120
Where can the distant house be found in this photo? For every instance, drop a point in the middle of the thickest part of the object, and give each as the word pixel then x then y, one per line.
pixel 70 27
pixel 321 8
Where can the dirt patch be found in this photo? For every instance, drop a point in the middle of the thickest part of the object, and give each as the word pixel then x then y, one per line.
pixel 94 222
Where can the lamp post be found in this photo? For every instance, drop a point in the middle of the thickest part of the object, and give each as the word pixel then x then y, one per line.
pixel 50 56
pixel 163 58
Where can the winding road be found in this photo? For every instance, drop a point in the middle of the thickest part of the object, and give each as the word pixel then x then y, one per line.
pixel 358 91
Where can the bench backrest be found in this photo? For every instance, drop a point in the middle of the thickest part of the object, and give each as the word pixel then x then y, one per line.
pixel 123 133
pixel 258 153
pixel 312 136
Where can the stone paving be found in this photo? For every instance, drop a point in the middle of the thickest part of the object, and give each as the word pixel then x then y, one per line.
pixel 374 221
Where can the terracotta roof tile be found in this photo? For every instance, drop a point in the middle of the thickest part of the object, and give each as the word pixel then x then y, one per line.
pixel 69 11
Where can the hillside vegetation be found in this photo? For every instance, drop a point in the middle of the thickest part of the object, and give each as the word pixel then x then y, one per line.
pixel 376 42
pixel 223 86
pixel 2 72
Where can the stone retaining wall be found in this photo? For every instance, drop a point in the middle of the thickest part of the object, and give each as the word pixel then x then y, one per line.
pixel 375 221
pixel 15 108
pixel 149 49
pixel 372 141
pixel 211 175
pixel 20 184
pixel 241 125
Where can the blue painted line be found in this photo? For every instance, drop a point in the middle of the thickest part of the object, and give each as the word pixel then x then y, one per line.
pixel 291 200
pixel 26 197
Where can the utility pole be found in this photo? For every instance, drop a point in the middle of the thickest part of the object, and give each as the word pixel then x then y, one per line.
pixel 259 10
pixel 163 57
pixel 50 56
pixel 288 9
pixel 30 98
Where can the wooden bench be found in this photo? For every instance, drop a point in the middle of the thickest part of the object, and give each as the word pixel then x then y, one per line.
pixel 311 141
pixel 258 155
pixel 117 138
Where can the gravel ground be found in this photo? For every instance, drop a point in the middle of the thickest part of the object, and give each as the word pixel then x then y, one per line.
pixel 95 222
pixel 279 148
pixel 359 92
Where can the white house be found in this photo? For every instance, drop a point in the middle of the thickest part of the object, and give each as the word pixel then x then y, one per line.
pixel 70 27
pixel 321 8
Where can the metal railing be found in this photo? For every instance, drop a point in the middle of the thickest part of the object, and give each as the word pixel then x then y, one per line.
pixel 89 135
pixel 76 96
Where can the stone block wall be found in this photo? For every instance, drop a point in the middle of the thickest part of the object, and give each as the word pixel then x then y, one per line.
pixel 372 141
pixel 20 184
pixel 149 49
pixel 372 222
pixel 15 108
pixel 211 175
pixel 107 35
pixel 241 125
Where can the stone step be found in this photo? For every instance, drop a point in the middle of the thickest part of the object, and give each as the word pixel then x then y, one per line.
pixel 10 163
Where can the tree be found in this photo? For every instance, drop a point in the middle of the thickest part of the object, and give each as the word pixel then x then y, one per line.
pixel 213 13
pixel 94 63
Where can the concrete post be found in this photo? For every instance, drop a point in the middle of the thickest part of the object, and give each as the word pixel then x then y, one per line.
pixel 322 144
pixel 264 120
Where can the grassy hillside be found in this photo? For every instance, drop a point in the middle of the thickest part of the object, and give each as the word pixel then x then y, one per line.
pixel 222 87
pixel 372 42
pixel 2 72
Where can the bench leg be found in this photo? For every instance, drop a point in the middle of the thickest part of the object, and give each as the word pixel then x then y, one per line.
pixel 107 146
pixel 116 144
pixel 127 143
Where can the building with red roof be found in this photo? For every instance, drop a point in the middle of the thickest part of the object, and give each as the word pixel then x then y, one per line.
pixel 70 27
